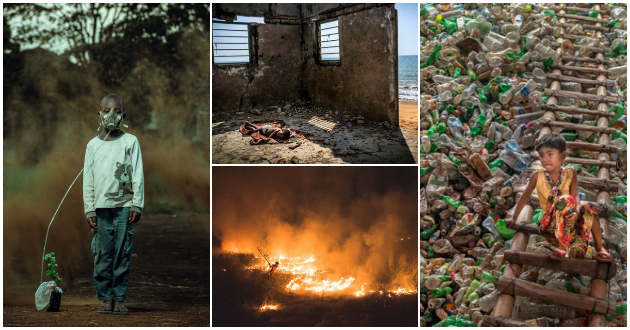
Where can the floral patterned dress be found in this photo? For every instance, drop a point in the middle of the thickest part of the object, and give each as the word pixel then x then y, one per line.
pixel 557 205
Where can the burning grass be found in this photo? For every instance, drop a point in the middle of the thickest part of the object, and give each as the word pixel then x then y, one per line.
pixel 298 293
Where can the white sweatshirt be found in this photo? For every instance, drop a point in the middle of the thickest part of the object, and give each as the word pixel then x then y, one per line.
pixel 114 178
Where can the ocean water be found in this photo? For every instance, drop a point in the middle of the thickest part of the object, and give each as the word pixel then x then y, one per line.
pixel 408 77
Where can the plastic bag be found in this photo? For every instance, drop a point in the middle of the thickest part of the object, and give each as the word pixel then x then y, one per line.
pixel 42 295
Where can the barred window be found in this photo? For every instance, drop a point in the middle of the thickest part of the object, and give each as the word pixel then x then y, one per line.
pixel 329 40
pixel 231 43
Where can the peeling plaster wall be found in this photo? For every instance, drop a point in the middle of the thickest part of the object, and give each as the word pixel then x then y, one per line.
pixel 365 83
pixel 276 78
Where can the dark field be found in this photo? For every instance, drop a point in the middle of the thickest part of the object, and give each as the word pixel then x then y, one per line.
pixel 238 294
pixel 168 285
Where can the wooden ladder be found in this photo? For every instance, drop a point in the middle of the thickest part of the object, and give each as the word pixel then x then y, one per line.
pixel 509 284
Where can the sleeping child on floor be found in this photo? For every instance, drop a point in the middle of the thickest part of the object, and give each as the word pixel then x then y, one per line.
pixel 572 225
pixel 269 131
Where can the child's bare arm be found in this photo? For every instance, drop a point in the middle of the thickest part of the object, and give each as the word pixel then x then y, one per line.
pixel 524 199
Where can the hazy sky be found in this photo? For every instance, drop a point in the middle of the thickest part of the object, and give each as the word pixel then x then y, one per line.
pixel 407 28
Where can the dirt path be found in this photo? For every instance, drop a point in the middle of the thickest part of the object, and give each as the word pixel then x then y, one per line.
pixel 169 283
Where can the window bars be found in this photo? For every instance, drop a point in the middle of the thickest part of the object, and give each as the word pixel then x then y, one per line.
pixel 329 40
pixel 231 43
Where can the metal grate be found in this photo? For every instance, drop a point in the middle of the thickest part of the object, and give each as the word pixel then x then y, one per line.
pixel 322 123
pixel 230 43
pixel 329 40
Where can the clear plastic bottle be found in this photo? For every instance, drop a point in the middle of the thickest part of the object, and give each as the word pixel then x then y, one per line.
pixel 487 302
pixel 540 76
pixel 619 72
pixel 524 91
pixel 457 129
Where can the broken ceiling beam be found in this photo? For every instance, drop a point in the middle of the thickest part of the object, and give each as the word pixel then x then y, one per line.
pixel 555 296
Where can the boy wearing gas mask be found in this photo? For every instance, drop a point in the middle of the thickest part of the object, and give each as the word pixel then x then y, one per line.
pixel 113 197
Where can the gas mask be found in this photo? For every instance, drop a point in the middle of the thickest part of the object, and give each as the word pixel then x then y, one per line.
pixel 111 121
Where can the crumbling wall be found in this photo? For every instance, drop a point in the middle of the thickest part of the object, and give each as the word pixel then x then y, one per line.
pixel 285 68
pixel 366 82
pixel 274 76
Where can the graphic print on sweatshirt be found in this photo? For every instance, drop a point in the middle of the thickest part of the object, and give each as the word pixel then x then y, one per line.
pixel 123 175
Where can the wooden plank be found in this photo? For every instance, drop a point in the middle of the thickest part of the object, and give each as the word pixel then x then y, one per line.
pixel 588 59
pixel 587 267
pixel 591 48
pixel 491 321
pixel 598 286
pixel 579 80
pixel 576 110
pixel 591 162
pixel 583 18
pixel 581 70
pixel 505 304
pixel 580 127
pixel 585 27
pixel 555 296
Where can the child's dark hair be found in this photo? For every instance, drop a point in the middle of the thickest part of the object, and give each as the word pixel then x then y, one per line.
pixel 286 133
pixel 553 141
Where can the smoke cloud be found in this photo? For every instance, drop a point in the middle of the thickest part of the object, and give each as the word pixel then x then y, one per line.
pixel 359 221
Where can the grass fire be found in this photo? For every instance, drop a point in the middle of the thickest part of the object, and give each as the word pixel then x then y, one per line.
pixel 325 247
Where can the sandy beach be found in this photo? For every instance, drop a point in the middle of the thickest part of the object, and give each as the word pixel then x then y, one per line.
pixel 408 114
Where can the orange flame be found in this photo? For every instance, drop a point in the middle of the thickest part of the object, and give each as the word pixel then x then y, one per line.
pixel 269 307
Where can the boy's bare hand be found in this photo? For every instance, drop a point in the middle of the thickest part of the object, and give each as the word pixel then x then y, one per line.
pixel 134 217
pixel 508 223
pixel 92 222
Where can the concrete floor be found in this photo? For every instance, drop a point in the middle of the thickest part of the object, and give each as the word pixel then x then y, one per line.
pixel 366 142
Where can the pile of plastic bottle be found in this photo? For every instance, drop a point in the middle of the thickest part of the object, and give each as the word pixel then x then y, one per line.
pixel 482 81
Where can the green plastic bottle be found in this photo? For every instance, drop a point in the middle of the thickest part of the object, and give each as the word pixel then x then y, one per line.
pixel 471 74
pixel 455 160
pixel 619 134
pixel 592 169
pixel 457 73
pixel 537 215
pixel 569 136
pixel 441 128
pixel 622 309
pixel 474 285
pixel 448 200
pixel 495 163
pixel 442 292
pixel 425 235
pixel 488 278
pixel 618 110
pixel 425 170
pixel 476 129
pixel 490 145
pixel 505 232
